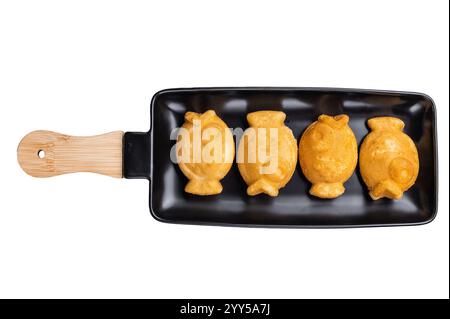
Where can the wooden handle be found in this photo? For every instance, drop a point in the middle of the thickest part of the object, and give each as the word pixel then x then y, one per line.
pixel 46 154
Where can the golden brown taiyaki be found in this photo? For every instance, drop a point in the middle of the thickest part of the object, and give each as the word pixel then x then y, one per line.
pixel 388 159
pixel 267 153
pixel 205 152
pixel 328 155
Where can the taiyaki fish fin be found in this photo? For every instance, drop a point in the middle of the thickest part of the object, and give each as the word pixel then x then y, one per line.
pixel 203 187
pixel 266 119
pixel 327 190
pixel 386 123
pixel 386 188
pixel 262 186
pixel 337 121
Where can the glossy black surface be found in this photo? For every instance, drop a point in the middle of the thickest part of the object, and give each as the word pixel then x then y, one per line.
pixel 148 156
pixel 136 147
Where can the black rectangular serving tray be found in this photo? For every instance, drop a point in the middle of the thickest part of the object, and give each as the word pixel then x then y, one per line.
pixel 147 155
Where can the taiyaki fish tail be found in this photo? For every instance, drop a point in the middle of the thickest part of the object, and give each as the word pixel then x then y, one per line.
pixel 386 188
pixel 386 123
pixel 327 190
pixel 262 186
pixel 266 118
pixel 191 116
pixel 203 187
pixel 338 121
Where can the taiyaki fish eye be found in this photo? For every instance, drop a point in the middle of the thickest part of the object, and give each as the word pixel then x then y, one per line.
pixel 401 170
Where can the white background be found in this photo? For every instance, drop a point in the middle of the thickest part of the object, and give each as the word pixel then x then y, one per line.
pixel 88 67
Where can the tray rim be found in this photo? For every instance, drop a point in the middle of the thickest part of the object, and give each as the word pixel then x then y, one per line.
pixel 289 88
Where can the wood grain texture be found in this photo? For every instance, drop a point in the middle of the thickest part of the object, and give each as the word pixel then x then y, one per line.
pixel 64 154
